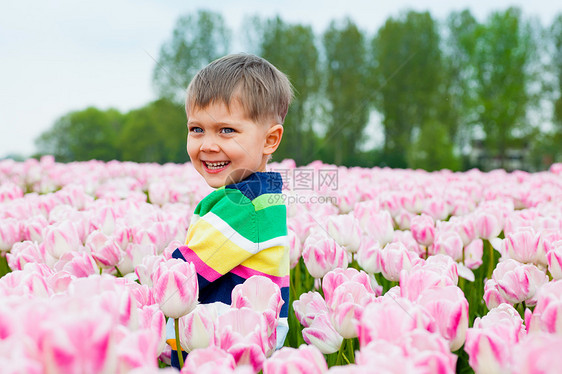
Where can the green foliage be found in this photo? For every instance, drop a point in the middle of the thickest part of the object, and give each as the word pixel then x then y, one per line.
pixel 437 89
pixel 556 33
pixel 407 73
pixel 501 59
pixel 197 39
pixel 292 49
pixel 83 135
pixel 433 149
pixel 155 133
pixel 347 95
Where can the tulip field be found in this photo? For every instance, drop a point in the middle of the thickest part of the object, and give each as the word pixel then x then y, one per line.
pixel 392 271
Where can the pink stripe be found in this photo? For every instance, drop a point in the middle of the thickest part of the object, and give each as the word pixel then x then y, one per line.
pixel 201 267
pixel 246 272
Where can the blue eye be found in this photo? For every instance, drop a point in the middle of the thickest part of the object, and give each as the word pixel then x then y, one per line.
pixel 227 130
pixel 196 130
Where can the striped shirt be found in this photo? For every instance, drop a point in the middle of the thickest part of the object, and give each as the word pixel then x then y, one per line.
pixel 238 231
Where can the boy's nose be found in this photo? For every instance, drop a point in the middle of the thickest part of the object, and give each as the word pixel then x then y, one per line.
pixel 209 144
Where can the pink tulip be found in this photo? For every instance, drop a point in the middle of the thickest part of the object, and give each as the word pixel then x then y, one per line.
pixel 133 256
pixel 423 229
pixel 381 357
pixel 33 228
pixel 436 208
pixel 518 282
pixel 23 253
pixel 197 329
pixel 10 191
pixel 146 269
pixel 390 318
pixel 347 304
pixel 262 295
pixel 403 219
pixel 413 201
pixel 306 359
pixel 243 334
pixel 547 315
pixel 104 250
pixel 449 243
pixel 492 296
pixel 142 294
pixel 525 245
pixel 78 263
pixel 378 225
pixel 104 220
pixel 431 274
pixel 175 287
pixel 553 258
pixel 294 248
pixel 61 239
pixel 368 255
pixel 308 306
pixel 473 254
pixel 77 343
pixel 537 353
pixel 322 334
pixel 337 277
pixel 209 360
pixel 25 283
pixel 406 238
pixel 428 351
pixel 322 254
pixel 258 293
pixel 9 233
pixel 137 350
pixel 152 318
pixel 394 258
pixel 464 226
pixel 487 225
pixel 490 341
pixel 449 308
pixel 345 230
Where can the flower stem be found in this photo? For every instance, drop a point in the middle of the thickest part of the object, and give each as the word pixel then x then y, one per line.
pixel 178 346
pixel 119 274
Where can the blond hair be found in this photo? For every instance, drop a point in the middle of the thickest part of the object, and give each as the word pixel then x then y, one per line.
pixel 263 91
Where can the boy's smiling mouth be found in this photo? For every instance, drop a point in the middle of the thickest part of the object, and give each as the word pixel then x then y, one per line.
pixel 215 167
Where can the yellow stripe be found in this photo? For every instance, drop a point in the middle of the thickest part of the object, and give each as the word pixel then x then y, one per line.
pixel 215 249
pixel 268 199
pixel 272 261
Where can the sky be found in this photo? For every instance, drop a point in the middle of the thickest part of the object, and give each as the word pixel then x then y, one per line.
pixel 60 56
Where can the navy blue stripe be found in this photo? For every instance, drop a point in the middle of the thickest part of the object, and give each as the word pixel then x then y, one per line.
pixel 221 289
pixel 259 183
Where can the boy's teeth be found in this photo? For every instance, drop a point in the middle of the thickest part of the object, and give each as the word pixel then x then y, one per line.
pixel 216 165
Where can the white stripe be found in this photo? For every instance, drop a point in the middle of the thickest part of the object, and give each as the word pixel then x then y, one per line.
pixel 221 225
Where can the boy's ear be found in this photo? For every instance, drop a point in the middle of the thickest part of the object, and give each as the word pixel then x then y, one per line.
pixel 273 139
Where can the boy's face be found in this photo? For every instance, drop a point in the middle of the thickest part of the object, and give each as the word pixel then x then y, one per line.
pixel 225 146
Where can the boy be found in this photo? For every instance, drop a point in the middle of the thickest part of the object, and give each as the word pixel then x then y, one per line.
pixel 235 110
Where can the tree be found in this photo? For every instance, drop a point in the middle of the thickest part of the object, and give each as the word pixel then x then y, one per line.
pixel 83 135
pixel 156 132
pixel 433 148
pixel 292 49
pixel 197 40
pixel 556 32
pixel 408 80
pixel 458 51
pixel 503 59
pixel 347 95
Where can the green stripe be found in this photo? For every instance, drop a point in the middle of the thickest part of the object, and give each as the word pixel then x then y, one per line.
pixel 240 213
pixel 268 199
pixel 276 214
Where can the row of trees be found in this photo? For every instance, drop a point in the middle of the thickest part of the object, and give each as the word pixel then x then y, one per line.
pixel 431 88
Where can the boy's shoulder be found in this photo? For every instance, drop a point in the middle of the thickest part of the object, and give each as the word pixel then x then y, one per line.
pixel 246 193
